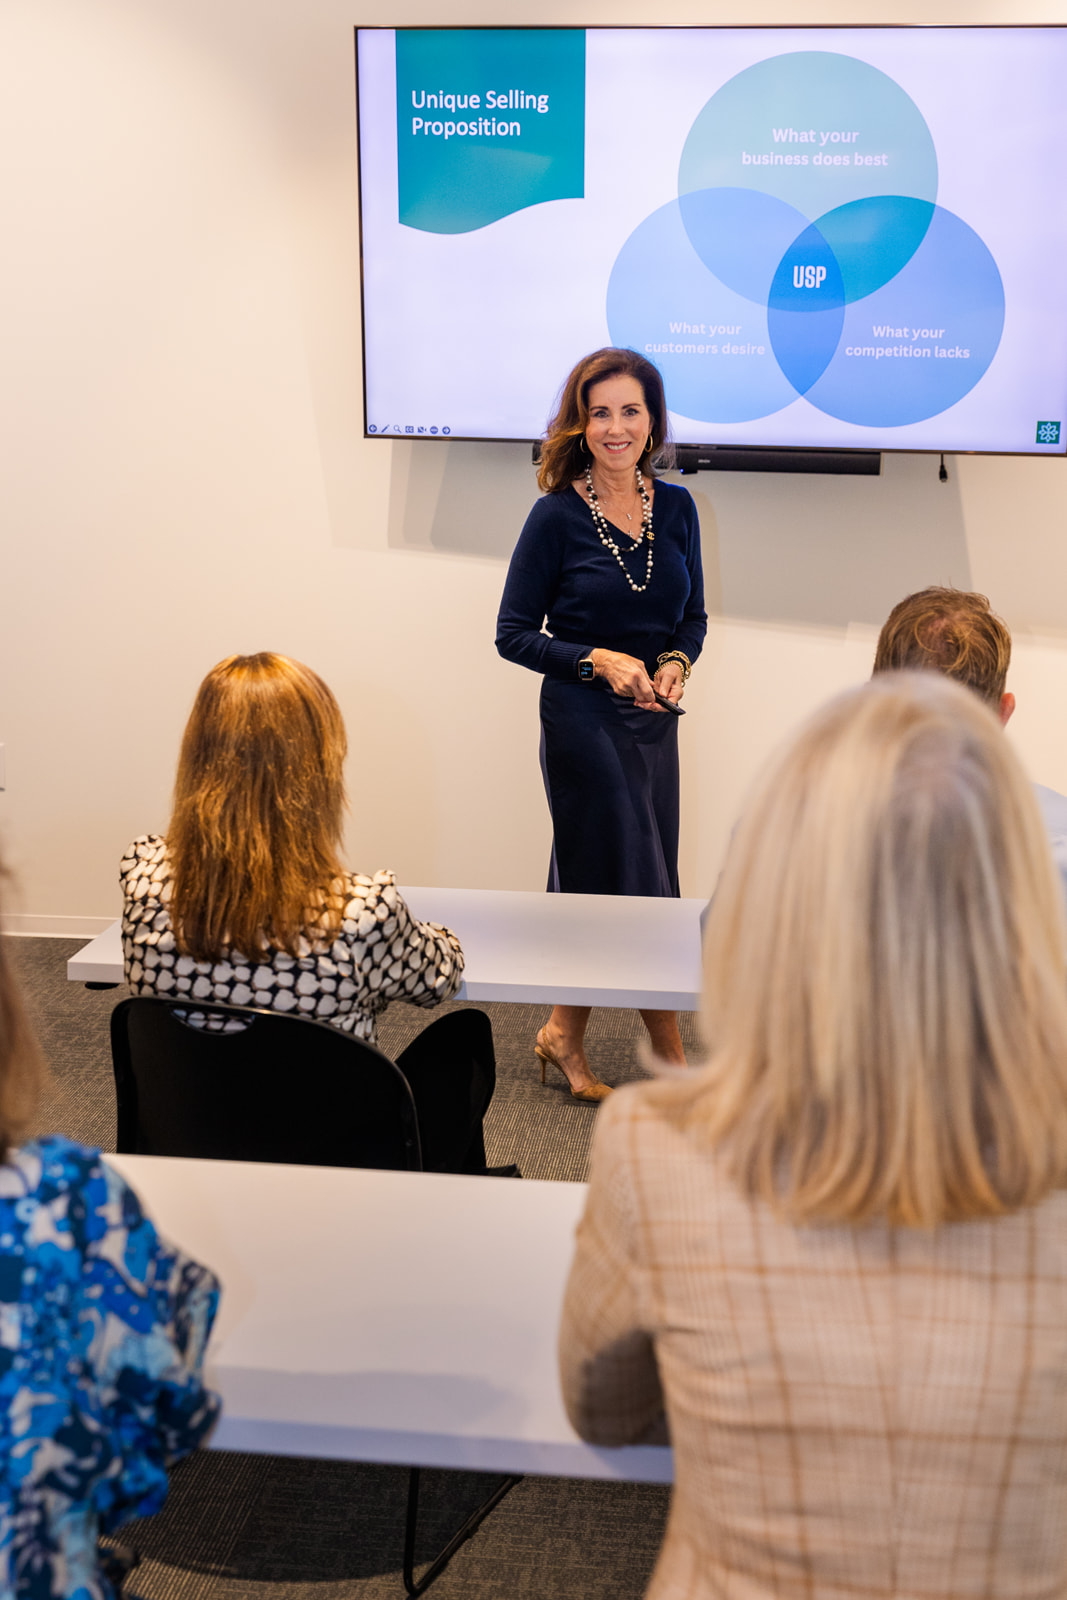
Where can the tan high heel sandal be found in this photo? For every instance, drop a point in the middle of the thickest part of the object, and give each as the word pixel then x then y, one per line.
pixel 592 1096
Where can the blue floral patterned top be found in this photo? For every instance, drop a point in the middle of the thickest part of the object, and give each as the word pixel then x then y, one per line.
pixel 102 1335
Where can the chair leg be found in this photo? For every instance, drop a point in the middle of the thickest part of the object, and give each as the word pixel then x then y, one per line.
pixel 462 1534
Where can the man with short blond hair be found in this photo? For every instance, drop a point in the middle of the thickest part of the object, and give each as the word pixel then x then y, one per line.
pixel 952 631
pixel 957 632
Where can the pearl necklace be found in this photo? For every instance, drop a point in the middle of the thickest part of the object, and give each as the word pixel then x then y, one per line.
pixel 603 528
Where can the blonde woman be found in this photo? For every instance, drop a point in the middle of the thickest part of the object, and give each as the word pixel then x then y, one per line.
pixel 246 902
pixel 836 1256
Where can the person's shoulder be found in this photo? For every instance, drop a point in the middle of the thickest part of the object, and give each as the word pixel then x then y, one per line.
pixel 365 898
pixel 549 512
pixel 366 885
pixel 651 1162
pixel 60 1153
pixel 636 1115
pixel 675 497
pixel 1053 808
pixel 147 852
pixel 48 1168
pixel 651 1124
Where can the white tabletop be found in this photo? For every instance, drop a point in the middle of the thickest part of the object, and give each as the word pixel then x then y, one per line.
pixel 577 949
pixel 100 961
pixel 386 1316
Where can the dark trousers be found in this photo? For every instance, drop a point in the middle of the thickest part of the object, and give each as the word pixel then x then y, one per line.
pixel 451 1068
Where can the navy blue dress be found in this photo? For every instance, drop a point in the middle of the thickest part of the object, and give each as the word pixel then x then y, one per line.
pixel 610 769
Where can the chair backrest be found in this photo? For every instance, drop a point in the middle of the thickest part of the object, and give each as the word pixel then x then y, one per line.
pixel 285 1089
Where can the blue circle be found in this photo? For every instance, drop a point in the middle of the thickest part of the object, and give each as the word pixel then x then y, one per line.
pixel 914 348
pixel 710 343
pixel 815 128
pixel 740 235
pixel 873 238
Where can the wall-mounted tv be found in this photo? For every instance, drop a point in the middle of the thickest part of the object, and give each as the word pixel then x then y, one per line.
pixel 836 238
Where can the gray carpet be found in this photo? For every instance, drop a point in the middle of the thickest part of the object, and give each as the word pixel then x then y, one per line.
pixel 275 1528
pixel 541 1128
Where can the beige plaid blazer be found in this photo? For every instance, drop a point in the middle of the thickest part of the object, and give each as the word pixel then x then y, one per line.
pixel 856 1413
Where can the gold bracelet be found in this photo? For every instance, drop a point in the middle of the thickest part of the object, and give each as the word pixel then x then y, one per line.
pixel 682 660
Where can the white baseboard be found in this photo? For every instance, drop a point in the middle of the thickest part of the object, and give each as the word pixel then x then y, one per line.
pixel 31 927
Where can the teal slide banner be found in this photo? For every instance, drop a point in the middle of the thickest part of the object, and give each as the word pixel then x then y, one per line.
pixel 488 122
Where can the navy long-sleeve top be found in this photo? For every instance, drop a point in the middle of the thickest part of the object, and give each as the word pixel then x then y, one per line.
pixel 560 573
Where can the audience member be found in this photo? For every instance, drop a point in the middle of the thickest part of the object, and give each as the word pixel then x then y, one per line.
pixel 245 902
pixel 837 1253
pixel 102 1335
pixel 955 631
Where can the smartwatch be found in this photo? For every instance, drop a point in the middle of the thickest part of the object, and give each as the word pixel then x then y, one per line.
pixel 586 670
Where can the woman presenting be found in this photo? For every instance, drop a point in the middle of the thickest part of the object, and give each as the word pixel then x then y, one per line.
pixel 610 559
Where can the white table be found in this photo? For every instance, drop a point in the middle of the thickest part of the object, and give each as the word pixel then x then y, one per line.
pixel 577 949
pixel 386 1316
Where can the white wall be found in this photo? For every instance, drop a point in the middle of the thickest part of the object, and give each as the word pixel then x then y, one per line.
pixel 182 472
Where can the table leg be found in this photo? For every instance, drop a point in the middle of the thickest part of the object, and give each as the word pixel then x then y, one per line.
pixel 462 1534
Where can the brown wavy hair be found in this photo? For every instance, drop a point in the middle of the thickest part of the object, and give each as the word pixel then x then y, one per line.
pixel 22 1070
pixel 562 455
pixel 953 631
pixel 255 834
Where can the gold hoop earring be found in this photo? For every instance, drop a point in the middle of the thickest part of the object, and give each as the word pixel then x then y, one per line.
pixel 583 447
pixel 648 446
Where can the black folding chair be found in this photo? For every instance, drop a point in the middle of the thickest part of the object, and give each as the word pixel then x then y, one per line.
pixel 276 1088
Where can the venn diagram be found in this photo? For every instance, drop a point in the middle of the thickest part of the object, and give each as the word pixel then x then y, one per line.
pixel 806 256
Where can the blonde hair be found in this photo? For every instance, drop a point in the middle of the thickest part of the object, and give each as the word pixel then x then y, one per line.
pixel 885 980
pixel 258 801
pixel 21 1067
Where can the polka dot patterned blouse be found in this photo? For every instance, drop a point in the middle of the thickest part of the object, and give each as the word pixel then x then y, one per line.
pixel 380 953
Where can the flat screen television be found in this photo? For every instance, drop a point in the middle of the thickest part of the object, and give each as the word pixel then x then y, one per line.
pixel 825 238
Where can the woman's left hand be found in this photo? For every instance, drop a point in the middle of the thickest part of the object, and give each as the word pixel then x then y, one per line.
pixel 669 681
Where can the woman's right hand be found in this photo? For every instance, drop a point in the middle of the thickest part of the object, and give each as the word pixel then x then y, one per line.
pixel 625 676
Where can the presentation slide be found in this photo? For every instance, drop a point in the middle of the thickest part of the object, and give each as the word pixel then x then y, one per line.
pixel 825 238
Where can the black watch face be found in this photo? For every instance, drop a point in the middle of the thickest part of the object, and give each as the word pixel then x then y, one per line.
pixel 585 670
